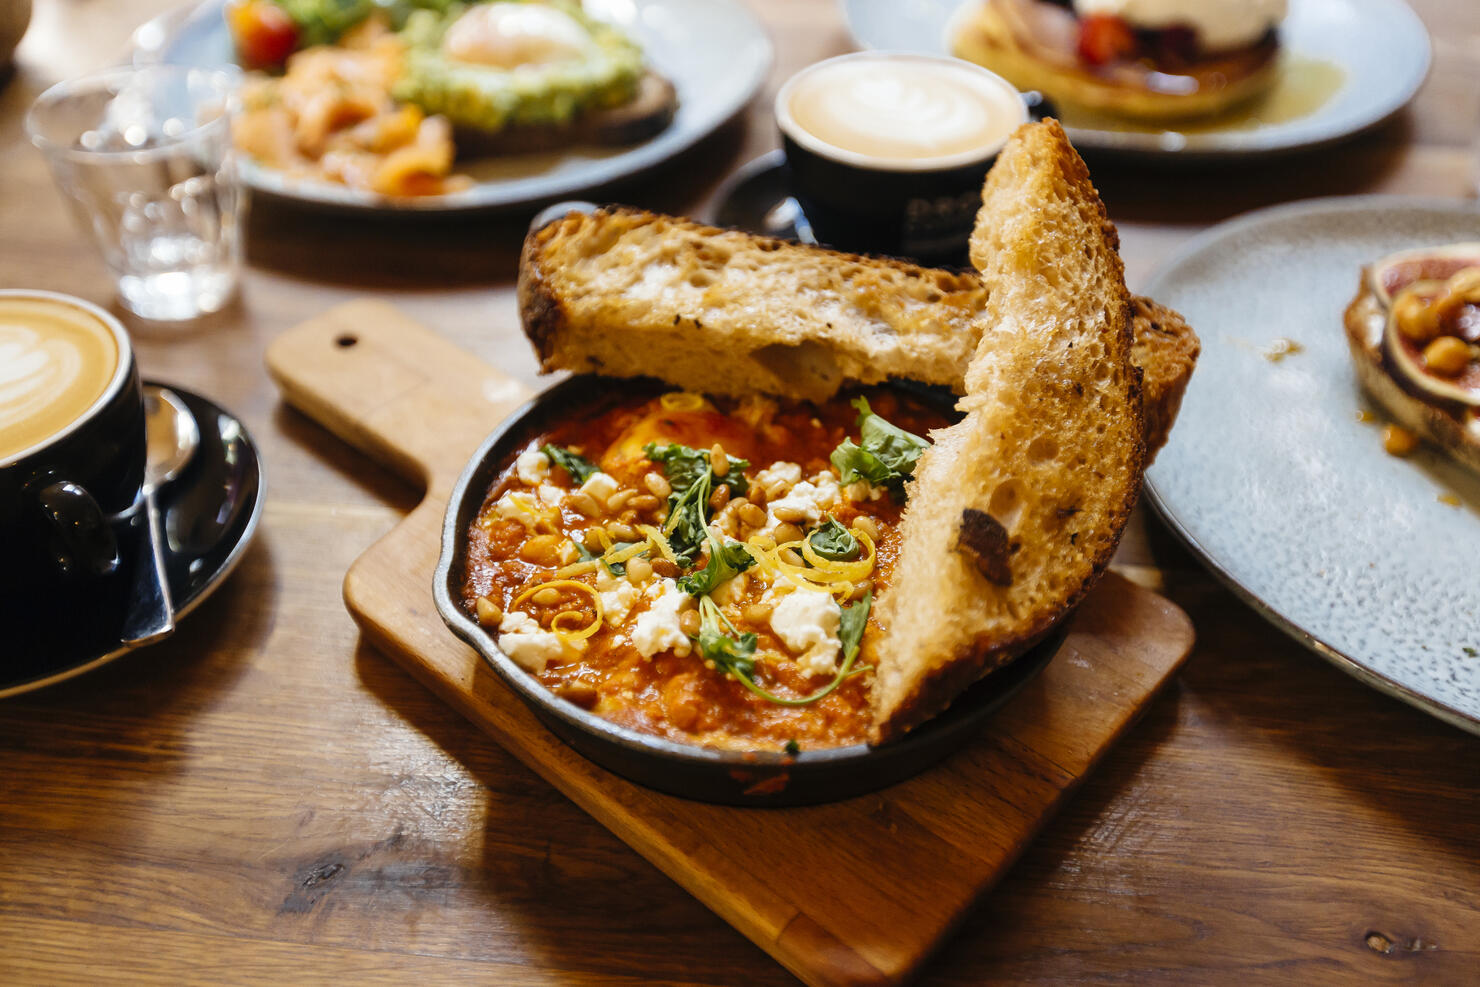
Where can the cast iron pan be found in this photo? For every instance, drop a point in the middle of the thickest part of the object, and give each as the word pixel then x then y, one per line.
pixel 766 778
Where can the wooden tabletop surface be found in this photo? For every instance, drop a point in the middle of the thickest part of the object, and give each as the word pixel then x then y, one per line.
pixel 264 797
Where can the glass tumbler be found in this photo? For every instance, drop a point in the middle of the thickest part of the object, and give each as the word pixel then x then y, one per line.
pixel 144 156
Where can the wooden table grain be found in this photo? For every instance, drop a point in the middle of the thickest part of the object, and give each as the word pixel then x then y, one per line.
pixel 265 798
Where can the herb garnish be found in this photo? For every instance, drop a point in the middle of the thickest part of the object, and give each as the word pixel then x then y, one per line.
pixel 733 653
pixel 726 561
pixel 834 542
pixel 884 455
pixel 579 467
pixel 615 568
pixel 693 480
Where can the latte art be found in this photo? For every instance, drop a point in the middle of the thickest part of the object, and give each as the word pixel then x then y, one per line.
pixel 55 362
pixel 900 110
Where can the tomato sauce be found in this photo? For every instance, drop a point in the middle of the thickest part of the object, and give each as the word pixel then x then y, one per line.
pixel 674 692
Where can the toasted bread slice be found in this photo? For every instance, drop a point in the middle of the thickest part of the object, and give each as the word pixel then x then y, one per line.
pixel 645 115
pixel 629 293
pixel 1016 510
pixel 1449 425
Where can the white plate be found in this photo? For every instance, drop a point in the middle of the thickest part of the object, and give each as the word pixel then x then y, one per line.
pixel 713 51
pixel 1271 477
pixel 1379 47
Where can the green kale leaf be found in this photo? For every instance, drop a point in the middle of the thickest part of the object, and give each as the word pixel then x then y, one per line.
pixel 579 467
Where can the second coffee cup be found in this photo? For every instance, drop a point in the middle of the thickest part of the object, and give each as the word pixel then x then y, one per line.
pixel 888 150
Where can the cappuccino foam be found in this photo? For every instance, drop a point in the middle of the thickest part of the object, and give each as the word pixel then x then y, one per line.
pixel 902 110
pixel 56 360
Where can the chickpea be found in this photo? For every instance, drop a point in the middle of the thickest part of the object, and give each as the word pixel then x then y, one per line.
pixel 719 498
pixel 658 484
pixel 639 571
pixel 752 515
pixel 1398 441
pixel 719 463
pixel 547 597
pixel 541 549
pixel 867 525
pixel 789 512
pixel 787 532
pixel 688 622
pixel 1416 316
pixel 1447 355
pixel 666 569
pixel 489 612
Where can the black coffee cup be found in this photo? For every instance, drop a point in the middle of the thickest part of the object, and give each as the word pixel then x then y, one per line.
pixel 922 208
pixel 62 496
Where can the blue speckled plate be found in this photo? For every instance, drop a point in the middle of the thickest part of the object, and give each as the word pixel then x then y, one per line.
pixel 1374 54
pixel 714 52
pixel 1272 478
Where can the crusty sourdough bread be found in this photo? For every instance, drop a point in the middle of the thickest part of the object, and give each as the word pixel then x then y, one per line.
pixel 1016 510
pixel 628 293
pixel 1448 425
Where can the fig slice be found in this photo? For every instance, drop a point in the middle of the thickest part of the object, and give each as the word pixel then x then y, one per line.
pixel 1395 272
pixel 1407 355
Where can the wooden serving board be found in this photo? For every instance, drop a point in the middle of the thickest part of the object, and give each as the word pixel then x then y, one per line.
pixel 856 892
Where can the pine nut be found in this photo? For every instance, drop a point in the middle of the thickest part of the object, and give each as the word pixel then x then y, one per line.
pixel 584 502
pixel 719 463
pixel 547 597
pixel 617 500
pixel 790 557
pixel 643 503
pixel 719 498
pixel 787 532
pixel 789 512
pixel 639 571
pixel 758 613
pixel 489 613
pixel 657 484
pixel 666 569
pixel 621 532
pixel 752 515
pixel 757 495
pixel 541 549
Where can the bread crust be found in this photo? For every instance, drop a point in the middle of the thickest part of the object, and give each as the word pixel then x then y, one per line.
pixel 1449 425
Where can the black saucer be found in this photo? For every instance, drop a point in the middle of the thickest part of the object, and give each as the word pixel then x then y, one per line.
pixel 208 515
pixel 757 198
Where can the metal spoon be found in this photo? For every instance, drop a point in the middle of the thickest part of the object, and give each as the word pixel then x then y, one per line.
pixel 173 436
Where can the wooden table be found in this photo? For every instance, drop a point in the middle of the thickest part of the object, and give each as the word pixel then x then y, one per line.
pixel 265 797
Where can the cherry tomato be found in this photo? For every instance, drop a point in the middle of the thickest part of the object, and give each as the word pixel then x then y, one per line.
pixel 1105 38
pixel 264 34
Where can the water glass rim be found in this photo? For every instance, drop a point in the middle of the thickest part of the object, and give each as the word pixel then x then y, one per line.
pixel 227 81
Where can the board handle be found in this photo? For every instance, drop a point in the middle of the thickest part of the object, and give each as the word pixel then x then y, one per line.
pixel 392 388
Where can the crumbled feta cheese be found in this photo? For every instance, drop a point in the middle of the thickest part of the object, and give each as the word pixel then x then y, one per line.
pixel 617 596
pixel 862 490
pixel 805 497
pixel 783 472
pixel 807 622
pixel 518 505
pixel 601 486
pixel 657 627
pixel 532 467
pixel 526 643
pixel 552 495
pixel 828 492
